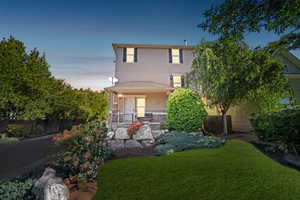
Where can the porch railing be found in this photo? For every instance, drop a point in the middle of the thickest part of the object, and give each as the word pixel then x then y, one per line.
pixel 151 116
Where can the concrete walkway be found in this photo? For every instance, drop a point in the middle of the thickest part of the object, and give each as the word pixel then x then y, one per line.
pixel 16 157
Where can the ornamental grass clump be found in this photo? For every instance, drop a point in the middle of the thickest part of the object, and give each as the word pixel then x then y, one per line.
pixel 85 150
pixel 185 111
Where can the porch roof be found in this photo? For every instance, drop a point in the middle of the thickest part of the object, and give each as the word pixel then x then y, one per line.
pixel 139 86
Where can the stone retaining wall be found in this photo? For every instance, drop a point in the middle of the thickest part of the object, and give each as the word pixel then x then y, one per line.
pixel 144 137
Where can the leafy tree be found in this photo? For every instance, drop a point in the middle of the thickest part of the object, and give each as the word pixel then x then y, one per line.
pixel 24 81
pixel 28 91
pixel 235 17
pixel 227 72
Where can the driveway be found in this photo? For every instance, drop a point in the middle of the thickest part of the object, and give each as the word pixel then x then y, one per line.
pixel 19 156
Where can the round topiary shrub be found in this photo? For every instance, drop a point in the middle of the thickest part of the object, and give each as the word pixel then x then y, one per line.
pixel 185 111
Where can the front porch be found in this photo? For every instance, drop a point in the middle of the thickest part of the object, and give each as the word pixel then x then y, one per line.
pixel 142 101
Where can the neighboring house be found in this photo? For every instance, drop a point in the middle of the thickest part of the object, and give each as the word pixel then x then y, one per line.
pixel 147 74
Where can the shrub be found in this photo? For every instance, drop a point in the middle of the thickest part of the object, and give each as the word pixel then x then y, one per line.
pixel 18 130
pixel 8 140
pixel 85 150
pixel 12 190
pixel 132 128
pixel 185 111
pixel 177 141
pixel 282 126
pixel 164 125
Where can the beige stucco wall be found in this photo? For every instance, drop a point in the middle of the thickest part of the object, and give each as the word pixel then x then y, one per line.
pixel 239 116
pixel 156 102
pixel 152 65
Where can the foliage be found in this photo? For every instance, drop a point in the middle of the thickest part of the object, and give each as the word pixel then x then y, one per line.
pixel 24 81
pixel 226 172
pixel 8 140
pixel 28 91
pixel 185 110
pixel 24 130
pixel 177 141
pixel 164 125
pixel 227 72
pixel 12 190
pixel 270 101
pixel 132 128
pixel 18 130
pixel 85 150
pixel 235 18
pixel 280 126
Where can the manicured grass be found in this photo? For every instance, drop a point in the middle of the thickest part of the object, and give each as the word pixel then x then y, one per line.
pixel 236 171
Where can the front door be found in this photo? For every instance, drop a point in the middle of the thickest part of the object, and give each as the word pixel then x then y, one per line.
pixel 129 109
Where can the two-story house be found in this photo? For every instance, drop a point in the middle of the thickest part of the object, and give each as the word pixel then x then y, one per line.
pixel 147 74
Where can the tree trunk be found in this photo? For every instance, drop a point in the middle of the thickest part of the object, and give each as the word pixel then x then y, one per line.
pixel 225 128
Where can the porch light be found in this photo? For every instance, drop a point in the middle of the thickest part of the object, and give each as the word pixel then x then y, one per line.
pixel 120 95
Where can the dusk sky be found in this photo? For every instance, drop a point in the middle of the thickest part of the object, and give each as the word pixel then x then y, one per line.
pixel 77 35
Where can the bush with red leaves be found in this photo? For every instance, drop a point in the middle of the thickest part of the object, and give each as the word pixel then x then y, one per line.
pixel 132 128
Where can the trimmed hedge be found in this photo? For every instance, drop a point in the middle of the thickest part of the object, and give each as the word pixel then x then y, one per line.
pixel 185 111
pixel 282 126
pixel 178 141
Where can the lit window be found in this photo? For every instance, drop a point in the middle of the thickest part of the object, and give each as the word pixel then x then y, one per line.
pixel 176 81
pixel 130 55
pixel 175 56
pixel 140 107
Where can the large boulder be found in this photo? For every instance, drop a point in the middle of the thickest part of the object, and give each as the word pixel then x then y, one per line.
pixel 116 144
pixel 132 144
pixel 110 135
pixel 50 187
pixel 121 134
pixel 148 143
pixel 157 133
pixel 144 133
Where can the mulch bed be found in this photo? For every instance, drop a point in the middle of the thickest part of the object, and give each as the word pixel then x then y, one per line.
pixel 133 152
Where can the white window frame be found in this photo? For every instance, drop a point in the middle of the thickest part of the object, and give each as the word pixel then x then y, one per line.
pixel 130 56
pixel 176 83
pixel 175 56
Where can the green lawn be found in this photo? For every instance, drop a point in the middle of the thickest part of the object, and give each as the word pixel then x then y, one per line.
pixel 236 171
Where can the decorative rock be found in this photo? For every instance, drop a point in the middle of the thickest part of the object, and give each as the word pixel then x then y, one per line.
pixel 121 134
pixel 50 187
pixel 147 143
pixel 132 144
pixel 157 133
pixel 116 144
pixel 110 135
pixel 144 133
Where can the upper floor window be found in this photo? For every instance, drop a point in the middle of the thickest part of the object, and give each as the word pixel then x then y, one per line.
pixel 175 56
pixel 177 81
pixel 130 55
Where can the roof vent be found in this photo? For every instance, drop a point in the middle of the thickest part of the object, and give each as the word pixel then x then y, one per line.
pixel 185 42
